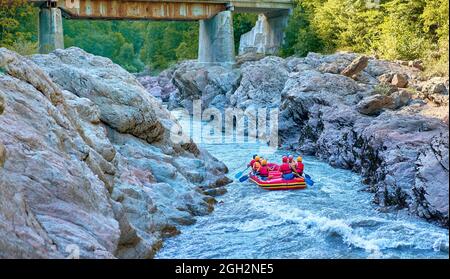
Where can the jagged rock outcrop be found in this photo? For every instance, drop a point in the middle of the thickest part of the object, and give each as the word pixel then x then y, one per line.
pixel 88 162
pixel 325 115
pixel 208 84
pixel 363 120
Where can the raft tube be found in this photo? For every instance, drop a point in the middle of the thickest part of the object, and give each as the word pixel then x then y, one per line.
pixel 278 183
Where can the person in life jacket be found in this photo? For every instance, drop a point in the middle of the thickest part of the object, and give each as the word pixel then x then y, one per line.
pixel 264 170
pixel 292 162
pixel 286 170
pixel 256 164
pixel 300 166
pixel 252 161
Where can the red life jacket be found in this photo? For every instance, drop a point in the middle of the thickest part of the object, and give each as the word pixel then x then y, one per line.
pixel 264 171
pixel 300 168
pixel 251 163
pixel 285 168
pixel 256 165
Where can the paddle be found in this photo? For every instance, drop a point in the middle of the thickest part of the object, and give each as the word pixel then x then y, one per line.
pixel 308 180
pixel 244 178
pixel 239 174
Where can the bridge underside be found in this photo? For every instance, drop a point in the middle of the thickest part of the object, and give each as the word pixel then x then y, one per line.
pixel 216 29
pixel 161 9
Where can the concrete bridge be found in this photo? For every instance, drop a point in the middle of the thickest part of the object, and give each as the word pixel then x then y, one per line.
pixel 216 41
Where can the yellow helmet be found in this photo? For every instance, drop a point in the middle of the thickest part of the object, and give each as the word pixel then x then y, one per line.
pixel 299 159
pixel 257 158
pixel 264 162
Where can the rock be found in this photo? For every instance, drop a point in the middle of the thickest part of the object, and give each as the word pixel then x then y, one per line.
pixel 436 85
pixel 374 105
pixel 195 82
pixel 399 80
pixel 431 182
pixel 357 65
pixel 91 168
pixel 50 199
pixel 2 103
pixel 418 64
pixel 248 57
pixel 2 155
pixel 386 78
pixel 400 98
pixel 261 84
pixel 160 86
pixel 124 104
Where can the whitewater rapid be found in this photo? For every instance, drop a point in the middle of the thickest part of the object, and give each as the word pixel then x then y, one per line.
pixel 335 218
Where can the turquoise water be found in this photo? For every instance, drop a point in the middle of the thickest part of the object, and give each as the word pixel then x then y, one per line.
pixel 334 218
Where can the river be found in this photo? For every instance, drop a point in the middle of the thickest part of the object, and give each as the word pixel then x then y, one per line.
pixel 335 218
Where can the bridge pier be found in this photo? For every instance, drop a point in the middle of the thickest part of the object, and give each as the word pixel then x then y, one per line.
pixel 267 36
pixel 216 40
pixel 50 30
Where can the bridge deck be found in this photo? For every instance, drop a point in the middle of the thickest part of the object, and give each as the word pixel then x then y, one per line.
pixel 162 9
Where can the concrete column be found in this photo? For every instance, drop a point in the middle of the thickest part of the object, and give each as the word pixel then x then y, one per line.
pixel 267 36
pixel 50 30
pixel 216 41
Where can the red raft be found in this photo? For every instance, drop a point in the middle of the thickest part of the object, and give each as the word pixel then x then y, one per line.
pixel 276 182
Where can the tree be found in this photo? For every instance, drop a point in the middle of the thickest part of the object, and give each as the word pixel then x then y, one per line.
pixel 18 20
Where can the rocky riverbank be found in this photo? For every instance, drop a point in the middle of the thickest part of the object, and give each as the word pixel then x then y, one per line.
pixel 382 119
pixel 87 162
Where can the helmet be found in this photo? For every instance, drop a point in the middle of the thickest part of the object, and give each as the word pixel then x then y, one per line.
pixel 264 162
pixel 285 159
pixel 299 159
pixel 257 158
pixel 290 158
pixel 254 156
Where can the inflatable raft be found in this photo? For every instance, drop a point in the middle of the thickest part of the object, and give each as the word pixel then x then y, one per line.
pixel 276 182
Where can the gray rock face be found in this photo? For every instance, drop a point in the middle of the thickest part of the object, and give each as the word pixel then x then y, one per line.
pixel 78 180
pixel 196 82
pixel 261 84
pixel 324 115
pixel 121 99
pixel 392 138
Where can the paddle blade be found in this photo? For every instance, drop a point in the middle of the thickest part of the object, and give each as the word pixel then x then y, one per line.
pixel 308 180
pixel 239 174
pixel 242 179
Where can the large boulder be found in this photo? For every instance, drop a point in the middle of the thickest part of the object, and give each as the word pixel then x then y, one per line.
pixel 357 65
pixel 197 82
pixel 51 201
pixel 123 102
pixel 80 180
pixel 261 84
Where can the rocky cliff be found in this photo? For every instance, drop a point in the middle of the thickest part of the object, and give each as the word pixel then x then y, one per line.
pixel 88 166
pixel 380 118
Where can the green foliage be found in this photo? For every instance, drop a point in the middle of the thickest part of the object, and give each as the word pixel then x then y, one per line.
pixel 242 23
pixel 17 22
pixel 300 37
pixel 168 42
pixel 395 29
pixel 382 89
